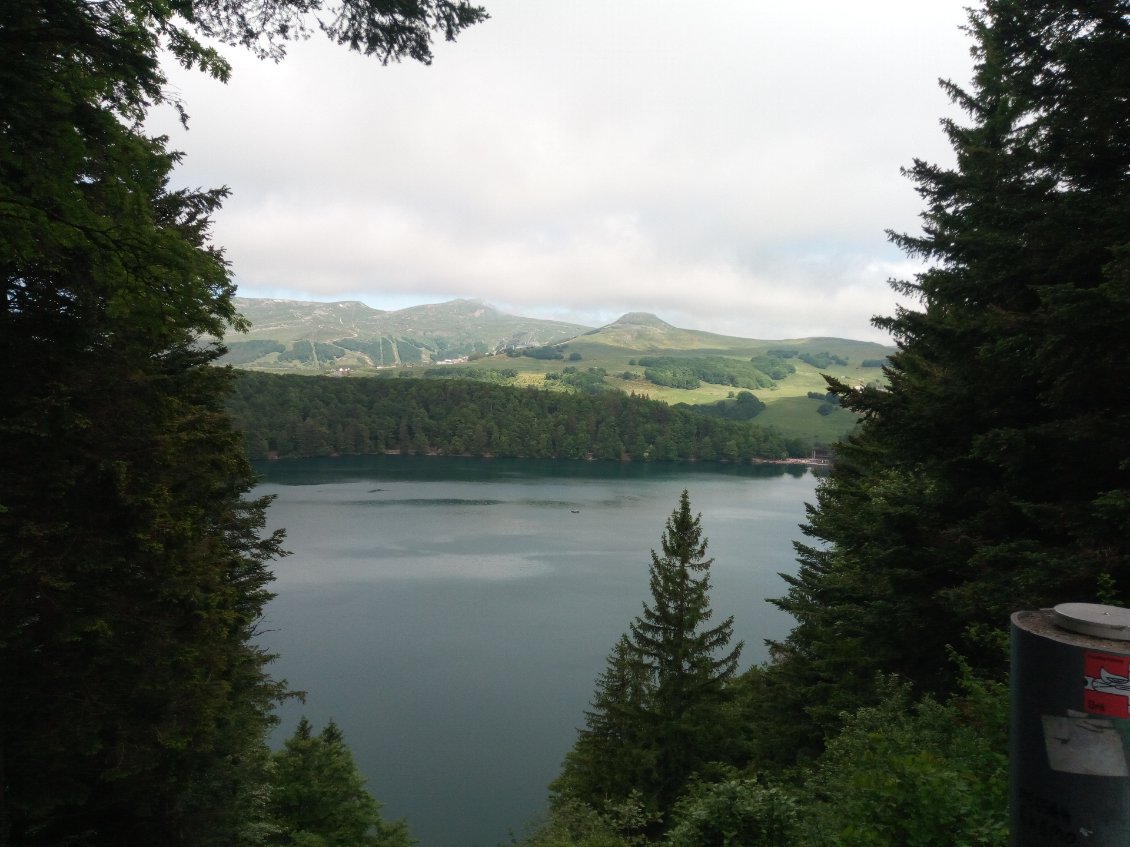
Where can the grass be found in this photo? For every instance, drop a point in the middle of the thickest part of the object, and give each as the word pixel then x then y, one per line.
pixel 789 409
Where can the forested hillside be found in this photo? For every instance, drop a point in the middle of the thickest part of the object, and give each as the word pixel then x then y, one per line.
pixel 319 416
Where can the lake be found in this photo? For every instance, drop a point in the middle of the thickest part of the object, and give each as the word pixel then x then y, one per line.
pixel 453 614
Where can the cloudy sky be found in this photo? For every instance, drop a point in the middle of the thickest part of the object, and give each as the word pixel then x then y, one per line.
pixel 728 165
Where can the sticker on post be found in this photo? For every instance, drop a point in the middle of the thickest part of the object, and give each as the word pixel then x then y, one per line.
pixel 1106 687
pixel 1089 746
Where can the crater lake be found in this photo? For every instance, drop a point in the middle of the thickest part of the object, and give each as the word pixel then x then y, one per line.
pixel 452 614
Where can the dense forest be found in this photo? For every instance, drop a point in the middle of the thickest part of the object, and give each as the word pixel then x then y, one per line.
pixel 319 416
pixel 990 472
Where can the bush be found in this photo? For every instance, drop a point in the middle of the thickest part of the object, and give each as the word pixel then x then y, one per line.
pixel 911 774
pixel 574 824
pixel 738 812
pixel 822 360
pixel 542 352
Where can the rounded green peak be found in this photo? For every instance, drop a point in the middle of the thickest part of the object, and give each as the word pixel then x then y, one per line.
pixel 642 319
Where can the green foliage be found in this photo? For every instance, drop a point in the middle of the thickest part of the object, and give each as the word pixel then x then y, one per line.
pixel 825 397
pixel 745 406
pixel 589 381
pixel 410 352
pixel 798 448
pixel 242 352
pixel 135 704
pixel 497 376
pixel 919 774
pixel 774 366
pixel 905 771
pixel 672 375
pixel 310 416
pixel 686 372
pixel 311 351
pixel 318 797
pixel 672 640
pixel 822 360
pixel 380 352
pixel 575 824
pixel 615 753
pixel 551 352
pixel 134 578
pixel 735 813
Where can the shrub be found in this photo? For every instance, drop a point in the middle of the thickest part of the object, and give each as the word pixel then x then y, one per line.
pixel 915 774
pixel 738 812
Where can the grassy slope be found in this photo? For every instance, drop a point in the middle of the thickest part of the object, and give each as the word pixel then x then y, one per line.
pixel 789 409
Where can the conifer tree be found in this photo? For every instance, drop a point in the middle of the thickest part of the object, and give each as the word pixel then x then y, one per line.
pixel 318 797
pixel 669 638
pixel 993 472
pixel 658 715
pixel 672 641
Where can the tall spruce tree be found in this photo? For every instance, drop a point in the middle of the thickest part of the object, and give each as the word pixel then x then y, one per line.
pixel 687 660
pixel 993 472
pixel 133 701
pixel 659 713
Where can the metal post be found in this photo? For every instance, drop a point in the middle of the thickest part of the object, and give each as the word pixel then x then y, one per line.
pixel 1069 779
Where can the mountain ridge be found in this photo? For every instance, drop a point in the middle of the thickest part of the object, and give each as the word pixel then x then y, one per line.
pixel 291 334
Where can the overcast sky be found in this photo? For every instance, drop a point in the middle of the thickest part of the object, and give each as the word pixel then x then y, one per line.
pixel 728 165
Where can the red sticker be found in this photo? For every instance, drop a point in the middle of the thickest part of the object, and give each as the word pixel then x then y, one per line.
pixel 1106 687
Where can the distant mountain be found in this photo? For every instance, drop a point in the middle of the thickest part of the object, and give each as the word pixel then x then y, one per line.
pixel 638 353
pixel 643 331
pixel 297 334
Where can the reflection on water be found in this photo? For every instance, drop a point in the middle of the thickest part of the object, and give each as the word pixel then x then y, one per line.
pixel 452 614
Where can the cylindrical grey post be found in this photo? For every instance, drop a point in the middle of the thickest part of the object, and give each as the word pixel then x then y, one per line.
pixel 1069 763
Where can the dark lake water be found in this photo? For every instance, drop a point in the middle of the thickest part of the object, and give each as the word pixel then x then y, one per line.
pixel 452 614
